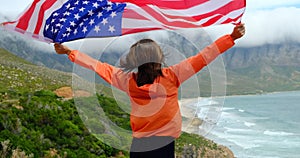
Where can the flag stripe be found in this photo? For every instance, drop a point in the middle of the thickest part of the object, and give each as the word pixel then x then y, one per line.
pixel 49 11
pixel 221 10
pixel 23 21
pixel 154 15
pixel 45 6
pixel 102 18
pixel 175 4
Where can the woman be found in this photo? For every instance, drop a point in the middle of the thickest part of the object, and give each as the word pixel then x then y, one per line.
pixel 153 90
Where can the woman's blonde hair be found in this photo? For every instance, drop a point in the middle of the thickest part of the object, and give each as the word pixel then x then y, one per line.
pixel 147 56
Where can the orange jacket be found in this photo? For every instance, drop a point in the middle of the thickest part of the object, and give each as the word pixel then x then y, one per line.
pixel 155 109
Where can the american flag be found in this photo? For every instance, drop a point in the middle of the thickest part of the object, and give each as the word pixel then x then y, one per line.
pixel 67 20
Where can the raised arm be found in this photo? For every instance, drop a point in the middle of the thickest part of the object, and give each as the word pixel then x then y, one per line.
pixel 194 64
pixel 113 75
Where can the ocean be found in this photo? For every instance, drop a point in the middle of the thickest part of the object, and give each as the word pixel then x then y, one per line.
pixel 260 126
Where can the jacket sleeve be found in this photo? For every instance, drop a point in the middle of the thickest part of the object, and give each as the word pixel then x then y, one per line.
pixel 112 75
pixel 190 66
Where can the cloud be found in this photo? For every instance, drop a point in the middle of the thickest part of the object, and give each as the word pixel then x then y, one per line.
pixel 270 4
pixel 274 26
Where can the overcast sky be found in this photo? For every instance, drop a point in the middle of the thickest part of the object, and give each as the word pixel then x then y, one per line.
pixel 267 21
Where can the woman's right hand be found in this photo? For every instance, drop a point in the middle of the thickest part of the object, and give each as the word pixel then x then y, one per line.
pixel 238 31
pixel 61 49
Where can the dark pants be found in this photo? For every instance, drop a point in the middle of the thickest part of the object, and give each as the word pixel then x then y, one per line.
pixel 153 147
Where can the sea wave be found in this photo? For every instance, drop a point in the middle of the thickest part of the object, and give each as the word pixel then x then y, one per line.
pixel 277 133
pixel 249 124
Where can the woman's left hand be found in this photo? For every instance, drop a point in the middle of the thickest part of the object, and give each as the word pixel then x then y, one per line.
pixel 62 49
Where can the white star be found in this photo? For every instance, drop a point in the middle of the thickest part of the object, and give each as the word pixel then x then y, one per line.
pixel 55 31
pixel 81 9
pixel 68 5
pixel 47 27
pixel 58 25
pixel 69 29
pixel 104 21
pixel 53 20
pixel 76 16
pixel 92 21
pixel 64 35
pixel 111 29
pixel 67 13
pixel 73 8
pixel 72 23
pixel 62 20
pixel 81 24
pixel 96 5
pixel 76 3
pixel 52 30
pixel 55 14
pixel 75 31
pixel 84 30
pixel 91 13
pixel 99 14
pixel 109 3
pixel 109 8
pixel 113 14
pixel 85 2
pixel 97 28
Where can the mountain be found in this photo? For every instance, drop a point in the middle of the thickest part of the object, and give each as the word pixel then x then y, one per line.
pixel 266 68
pixel 33 51
pixel 284 54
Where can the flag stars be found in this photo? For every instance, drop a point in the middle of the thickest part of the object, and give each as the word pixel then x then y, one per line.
pixel 96 5
pixel 104 21
pixel 69 29
pixel 85 2
pixel 113 14
pixel 55 14
pixel 92 21
pixel 68 5
pixel 91 13
pixel 72 23
pixel 109 8
pixel 76 3
pixel 100 14
pixel 109 3
pixel 81 24
pixel 67 13
pixel 97 28
pixel 75 32
pixel 62 20
pixel 82 9
pixel 111 29
pixel 47 27
pixel 84 30
pixel 76 16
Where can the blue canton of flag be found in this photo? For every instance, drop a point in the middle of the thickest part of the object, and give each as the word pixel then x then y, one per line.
pixel 88 18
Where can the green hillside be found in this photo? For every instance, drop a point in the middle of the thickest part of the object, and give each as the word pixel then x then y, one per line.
pixel 20 75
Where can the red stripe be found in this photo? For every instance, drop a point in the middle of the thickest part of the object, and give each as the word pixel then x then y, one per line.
pixel 25 18
pixel 223 10
pixel 130 31
pixel 234 5
pixel 131 14
pixel 10 22
pixel 174 4
pixel 44 8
